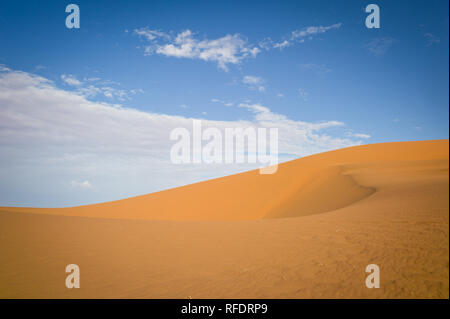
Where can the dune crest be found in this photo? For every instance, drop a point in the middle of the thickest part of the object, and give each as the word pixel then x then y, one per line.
pixel 310 185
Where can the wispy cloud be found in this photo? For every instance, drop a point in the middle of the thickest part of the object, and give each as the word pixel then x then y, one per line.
pixel 254 82
pixel 380 46
pixel 282 45
pixel 297 36
pixel 70 80
pixel 83 184
pixel 431 39
pixel 39 67
pixel 318 69
pixel 359 135
pixel 303 94
pixel 309 32
pixel 264 115
pixel 222 102
pixel 94 86
pixel 151 35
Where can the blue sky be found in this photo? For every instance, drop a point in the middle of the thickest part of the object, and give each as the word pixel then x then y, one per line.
pixel 311 62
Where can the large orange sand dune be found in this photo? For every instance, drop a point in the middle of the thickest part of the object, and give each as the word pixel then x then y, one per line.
pixel 307 231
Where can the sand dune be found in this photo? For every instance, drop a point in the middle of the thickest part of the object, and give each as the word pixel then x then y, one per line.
pixel 310 185
pixel 307 231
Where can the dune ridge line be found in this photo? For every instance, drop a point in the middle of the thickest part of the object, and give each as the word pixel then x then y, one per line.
pixel 315 184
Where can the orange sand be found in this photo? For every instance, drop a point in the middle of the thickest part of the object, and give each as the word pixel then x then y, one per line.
pixel 307 231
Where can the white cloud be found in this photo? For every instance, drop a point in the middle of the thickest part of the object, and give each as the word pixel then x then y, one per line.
pixel 49 136
pixel 84 184
pixel 309 32
pixel 230 49
pixel 297 36
pixel 136 91
pixel 92 79
pixel 295 136
pixel 70 80
pixel 222 102
pixel 106 91
pixel 360 135
pixel 254 82
pixel 227 50
pixel 282 45
pixel 266 44
pixel 95 86
pixel 151 35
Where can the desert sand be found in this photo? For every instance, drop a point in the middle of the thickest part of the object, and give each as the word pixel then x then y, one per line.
pixel 307 231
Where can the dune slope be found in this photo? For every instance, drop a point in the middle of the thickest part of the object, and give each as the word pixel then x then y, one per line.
pixel 305 186
pixel 230 237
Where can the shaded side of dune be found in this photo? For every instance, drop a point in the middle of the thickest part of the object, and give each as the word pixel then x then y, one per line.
pixel 328 190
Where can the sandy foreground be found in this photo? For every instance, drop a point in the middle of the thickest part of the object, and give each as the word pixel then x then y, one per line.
pixel 307 231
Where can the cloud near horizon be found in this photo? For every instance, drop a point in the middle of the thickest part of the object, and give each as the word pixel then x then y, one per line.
pixel 50 136
pixel 92 87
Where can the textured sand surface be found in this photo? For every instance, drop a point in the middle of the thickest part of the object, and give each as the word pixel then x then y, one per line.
pixel 307 231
